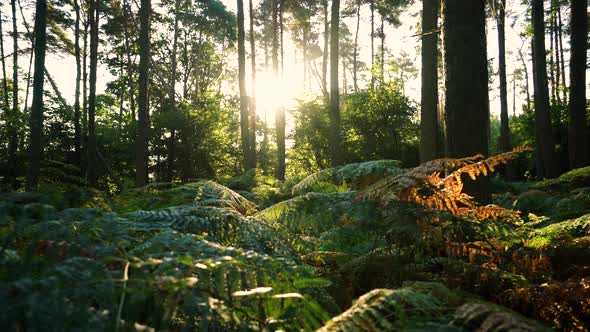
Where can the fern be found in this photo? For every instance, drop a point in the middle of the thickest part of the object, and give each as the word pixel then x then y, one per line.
pixel 357 176
pixel 425 185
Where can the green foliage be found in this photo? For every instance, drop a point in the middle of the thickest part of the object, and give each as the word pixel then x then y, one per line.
pixel 576 178
pixel 354 176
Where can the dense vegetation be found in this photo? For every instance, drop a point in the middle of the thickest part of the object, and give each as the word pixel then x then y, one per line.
pixel 180 165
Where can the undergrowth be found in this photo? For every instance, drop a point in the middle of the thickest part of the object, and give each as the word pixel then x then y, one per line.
pixel 363 247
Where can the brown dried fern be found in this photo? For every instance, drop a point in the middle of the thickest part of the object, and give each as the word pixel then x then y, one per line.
pixel 425 185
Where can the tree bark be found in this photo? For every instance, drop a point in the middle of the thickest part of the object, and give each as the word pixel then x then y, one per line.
pixel 372 5
pixel 142 140
pixel 280 115
pixel 429 87
pixel 334 89
pixel 242 85
pixel 545 142
pixel 172 98
pixel 504 128
pixel 4 77
pixel 77 128
pixel 253 157
pixel 577 131
pixel 127 14
pixel 92 145
pixel 36 120
pixel 326 46
pixel 466 85
pixel 356 47
pixel 560 32
pixel 12 120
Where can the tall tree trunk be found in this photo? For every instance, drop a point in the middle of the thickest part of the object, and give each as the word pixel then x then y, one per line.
pixel 560 31
pixel 504 128
pixel 36 120
pixel 172 97
pixel 92 145
pixel 526 79
pixel 85 86
pixel 429 87
pixel 382 51
pixel 372 5
pixel 242 83
pixel 558 60
pixel 552 80
pixel 577 131
pixel 280 113
pixel 12 120
pixel 545 143
pixel 467 112
pixel 356 47
pixel 4 78
pixel 326 46
pixel 77 129
pixel 253 157
pixel 334 89
pixel 142 140
pixel 127 15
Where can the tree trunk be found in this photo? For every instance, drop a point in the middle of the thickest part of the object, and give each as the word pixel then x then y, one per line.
pixel 326 46
pixel 356 47
pixel 12 120
pixel 92 145
pixel 552 61
pixel 372 5
pixel 280 115
pixel 127 14
pixel 429 87
pixel 558 59
pixel 4 78
pixel 77 129
pixel 242 83
pixel 545 146
pixel 526 80
pixel 334 89
pixel 560 25
pixel 142 141
pixel 466 85
pixel 36 120
pixel 85 86
pixel 504 128
pixel 253 156
pixel 577 132
pixel 172 98
pixel 382 52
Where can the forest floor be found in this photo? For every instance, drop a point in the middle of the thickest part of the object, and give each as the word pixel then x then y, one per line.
pixel 253 253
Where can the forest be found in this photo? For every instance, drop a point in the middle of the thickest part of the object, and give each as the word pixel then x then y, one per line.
pixel 294 165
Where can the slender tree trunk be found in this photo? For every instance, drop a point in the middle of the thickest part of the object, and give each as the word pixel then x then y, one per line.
pixel 429 87
pixel 127 15
pixel 382 51
pixel 172 97
pixel 326 46
pixel 372 5
pixel 577 131
pixel 466 84
pixel 4 78
pixel 356 47
pixel 280 114
pixel 253 156
pixel 242 83
pixel 556 50
pixel 526 80
pixel 560 31
pixel 77 128
pixel 142 141
pixel 92 145
pixel 36 120
pixel 85 86
pixel 513 95
pixel 545 143
pixel 12 120
pixel 334 89
pixel 504 128
pixel 551 61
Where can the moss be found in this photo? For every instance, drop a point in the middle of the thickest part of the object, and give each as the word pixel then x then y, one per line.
pixel 579 177
pixel 559 233
pixel 535 201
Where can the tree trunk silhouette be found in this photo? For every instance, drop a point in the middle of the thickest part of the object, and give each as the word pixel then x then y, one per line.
pixel 466 85
pixel 4 77
pixel 334 89
pixel 12 119
pixel 326 46
pixel 77 128
pixel 356 47
pixel 429 86
pixel 127 14
pixel 242 83
pixel 142 140
pixel 172 98
pixel 253 157
pixel 504 128
pixel 545 143
pixel 577 131
pixel 92 145
pixel 36 120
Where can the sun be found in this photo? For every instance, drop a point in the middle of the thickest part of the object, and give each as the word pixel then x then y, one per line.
pixel 273 92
